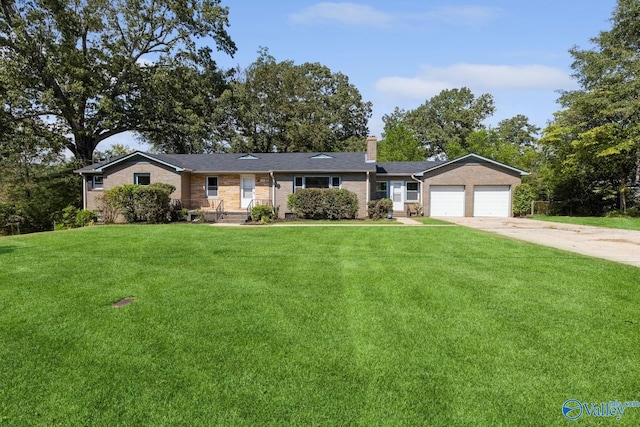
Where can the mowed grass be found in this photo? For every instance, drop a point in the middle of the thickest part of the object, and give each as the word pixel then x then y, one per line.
pixel 311 326
pixel 623 223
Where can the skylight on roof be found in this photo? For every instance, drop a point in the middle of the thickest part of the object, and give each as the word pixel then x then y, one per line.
pixel 248 157
pixel 321 156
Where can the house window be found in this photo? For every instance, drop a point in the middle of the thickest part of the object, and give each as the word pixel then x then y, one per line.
pixel 382 190
pixel 316 182
pixel 98 182
pixel 212 186
pixel 412 192
pixel 300 182
pixel 142 178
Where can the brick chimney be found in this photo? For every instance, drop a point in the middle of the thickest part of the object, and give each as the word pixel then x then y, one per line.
pixel 372 148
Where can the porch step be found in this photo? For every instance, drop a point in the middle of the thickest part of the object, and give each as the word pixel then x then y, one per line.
pixel 234 217
pixel 228 217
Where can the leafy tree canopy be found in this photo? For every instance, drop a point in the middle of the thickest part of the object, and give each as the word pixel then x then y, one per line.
pixel 594 142
pixel 283 107
pixel 92 69
pixel 400 144
pixel 443 123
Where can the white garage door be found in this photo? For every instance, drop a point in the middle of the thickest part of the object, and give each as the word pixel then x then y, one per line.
pixel 492 201
pixel 447 200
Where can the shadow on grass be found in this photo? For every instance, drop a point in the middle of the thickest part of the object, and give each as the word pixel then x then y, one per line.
pixel 6 249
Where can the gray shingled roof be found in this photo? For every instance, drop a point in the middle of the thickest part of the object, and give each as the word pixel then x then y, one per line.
pixel 253 162
pixel 405 168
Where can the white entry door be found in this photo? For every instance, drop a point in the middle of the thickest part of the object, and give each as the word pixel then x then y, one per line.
pixel 397 195
pixel 247 189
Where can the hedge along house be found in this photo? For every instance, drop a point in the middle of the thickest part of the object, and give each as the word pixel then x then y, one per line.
pixel 233 183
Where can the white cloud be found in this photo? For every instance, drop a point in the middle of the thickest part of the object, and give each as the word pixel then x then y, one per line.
pixel 478 77
pixel 361 15
pixel 343 13
pixel 471 16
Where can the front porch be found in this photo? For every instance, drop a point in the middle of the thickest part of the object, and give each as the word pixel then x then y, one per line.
pixel 214 210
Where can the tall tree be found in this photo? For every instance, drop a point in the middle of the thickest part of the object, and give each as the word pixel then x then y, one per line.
pixel 601 120
pixel 280 106
pixel 400 144
pixel 95 66
pixel 444 122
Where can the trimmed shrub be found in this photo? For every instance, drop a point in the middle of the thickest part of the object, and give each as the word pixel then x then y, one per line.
pixel 523 195
pixel 85 217
pixel 153 202
pixel 340 204
pixel 262 213
pixel 73 217
pixel 378 209
pixel 123 197
pixel 317 203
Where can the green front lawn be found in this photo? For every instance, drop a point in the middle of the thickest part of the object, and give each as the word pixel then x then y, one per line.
pixel 309 325
pixel 623 223
pixel 431 221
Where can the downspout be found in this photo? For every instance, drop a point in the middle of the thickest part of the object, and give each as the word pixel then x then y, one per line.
pixel 368 196
pixel 273 190
pixel 413 177
pixel 84 191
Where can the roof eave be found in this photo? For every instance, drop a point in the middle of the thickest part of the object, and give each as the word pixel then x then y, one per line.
pixel 136 153
pixel 477 156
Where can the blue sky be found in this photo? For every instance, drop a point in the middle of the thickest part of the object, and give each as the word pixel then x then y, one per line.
pixel 401 53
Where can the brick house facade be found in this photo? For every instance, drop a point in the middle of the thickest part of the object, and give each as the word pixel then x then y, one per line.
pixel 237 181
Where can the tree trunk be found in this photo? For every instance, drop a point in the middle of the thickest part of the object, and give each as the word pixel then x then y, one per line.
pixel 83 148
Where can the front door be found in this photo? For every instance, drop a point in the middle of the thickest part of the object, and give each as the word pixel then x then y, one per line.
pixel 397 195
pixel 247 189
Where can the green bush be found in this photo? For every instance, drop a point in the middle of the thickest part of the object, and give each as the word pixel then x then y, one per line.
pixel 316 203
pixel 340 204
pixel 73 217
pixel 523 195
pixel 629 213
pixel 85 217
pixel 10 219
pixel 123 197
pixel 378 209
pixel 151 203
pixel 69 216
pixel 262 213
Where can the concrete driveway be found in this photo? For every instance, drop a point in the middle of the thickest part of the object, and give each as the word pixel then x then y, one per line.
pixel 607 243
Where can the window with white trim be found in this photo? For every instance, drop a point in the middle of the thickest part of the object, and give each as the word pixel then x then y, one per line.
pixel 98 182
pixel 412 192
pixel 142 178
pixel 300 182
pixel 212 186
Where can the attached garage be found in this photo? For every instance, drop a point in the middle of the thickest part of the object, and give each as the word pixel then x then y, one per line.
pixel 492 201
pixel 446 200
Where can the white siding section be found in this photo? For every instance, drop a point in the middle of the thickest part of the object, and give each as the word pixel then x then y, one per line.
pixel 447 200
pixel 492 201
